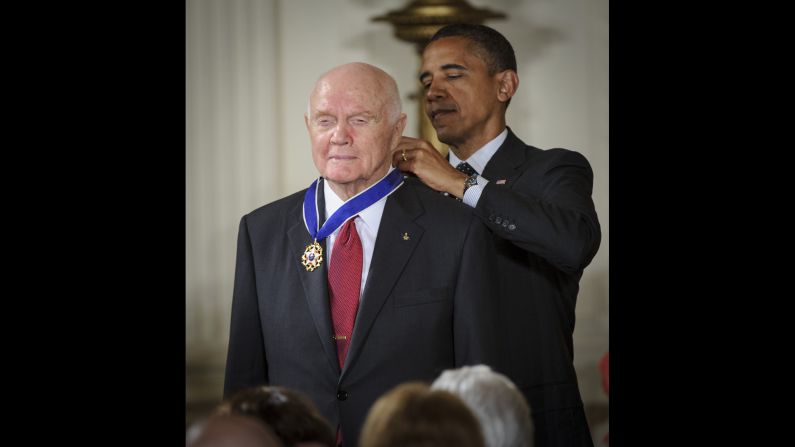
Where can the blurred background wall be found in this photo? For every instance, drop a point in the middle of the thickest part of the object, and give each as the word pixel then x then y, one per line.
pixel 250 65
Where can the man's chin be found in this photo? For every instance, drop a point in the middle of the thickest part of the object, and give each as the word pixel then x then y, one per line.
pixel 339 179
pixel 339 170
pixel 342 176
pixel 444 134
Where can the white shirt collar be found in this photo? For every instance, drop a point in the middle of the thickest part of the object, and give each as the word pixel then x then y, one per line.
pixel 370 216
pixel 481 157
pixel 367 224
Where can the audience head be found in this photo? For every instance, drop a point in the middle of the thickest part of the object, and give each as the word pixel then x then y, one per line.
pixel 292 416
pixel 230 431
pixel 413 415
pixel 501 408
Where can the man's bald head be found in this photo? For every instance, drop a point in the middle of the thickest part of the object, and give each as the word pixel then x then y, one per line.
pixel 365 78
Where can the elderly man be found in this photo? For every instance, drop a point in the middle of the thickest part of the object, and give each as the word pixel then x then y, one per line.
pixel 379 280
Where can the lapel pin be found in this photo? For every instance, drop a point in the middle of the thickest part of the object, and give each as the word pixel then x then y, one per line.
pixel 406 236
pixel 500 182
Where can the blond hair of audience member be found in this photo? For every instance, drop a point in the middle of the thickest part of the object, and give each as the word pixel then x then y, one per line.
pixel 501 408
pixel 413 415
pixel 292 415
pixel 230 431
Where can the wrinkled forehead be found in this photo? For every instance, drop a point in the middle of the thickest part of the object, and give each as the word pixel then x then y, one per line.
pixel 349 94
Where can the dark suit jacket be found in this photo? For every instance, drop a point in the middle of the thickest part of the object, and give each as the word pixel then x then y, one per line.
pixel 429 304
pixel 546 231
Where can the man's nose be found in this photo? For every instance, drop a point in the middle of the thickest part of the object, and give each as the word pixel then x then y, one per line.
pixel 434 92
pixel 341 135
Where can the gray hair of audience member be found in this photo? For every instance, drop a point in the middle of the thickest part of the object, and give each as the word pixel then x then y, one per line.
pixel 230 431
pixel 500 407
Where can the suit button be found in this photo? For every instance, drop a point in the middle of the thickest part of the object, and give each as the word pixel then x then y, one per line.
pixel 498 220
pixel 342 395
pixel 511 227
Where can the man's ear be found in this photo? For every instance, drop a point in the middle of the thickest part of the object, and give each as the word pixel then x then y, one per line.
pixel 401 124
pixel 508 82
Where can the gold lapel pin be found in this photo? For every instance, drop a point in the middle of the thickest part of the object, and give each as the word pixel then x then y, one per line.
pixel 406 236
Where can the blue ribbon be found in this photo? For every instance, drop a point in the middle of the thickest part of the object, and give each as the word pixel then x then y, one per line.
pixel 352 207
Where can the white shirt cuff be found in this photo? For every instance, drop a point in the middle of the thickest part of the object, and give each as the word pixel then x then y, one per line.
pixel 472 194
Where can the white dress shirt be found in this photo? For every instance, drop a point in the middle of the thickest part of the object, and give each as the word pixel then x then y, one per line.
pixel 478 161
pixel 367 223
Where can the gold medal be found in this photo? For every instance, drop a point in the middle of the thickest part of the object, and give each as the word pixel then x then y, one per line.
pixel 313 254
pixel 312 257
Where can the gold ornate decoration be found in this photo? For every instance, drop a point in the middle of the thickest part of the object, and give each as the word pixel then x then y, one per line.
pixel 312 257
pixel 420 19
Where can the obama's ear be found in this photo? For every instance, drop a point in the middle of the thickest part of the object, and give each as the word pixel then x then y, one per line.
pixel 509 83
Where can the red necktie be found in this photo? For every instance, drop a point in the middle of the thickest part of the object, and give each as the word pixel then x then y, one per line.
pixel 345 281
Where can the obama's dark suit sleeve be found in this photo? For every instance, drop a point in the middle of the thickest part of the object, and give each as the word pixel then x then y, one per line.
pixel 547 209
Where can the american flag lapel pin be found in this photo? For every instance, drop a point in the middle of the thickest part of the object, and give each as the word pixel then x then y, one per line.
pixel 500 181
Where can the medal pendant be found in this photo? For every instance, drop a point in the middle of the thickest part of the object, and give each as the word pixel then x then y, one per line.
pixel 312 257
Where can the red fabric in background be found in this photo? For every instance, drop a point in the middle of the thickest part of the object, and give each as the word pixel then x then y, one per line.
pixel 604 368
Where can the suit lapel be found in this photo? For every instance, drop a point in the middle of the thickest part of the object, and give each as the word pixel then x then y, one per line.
pixel 505 163
pixel 315 283
pixel 390 255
